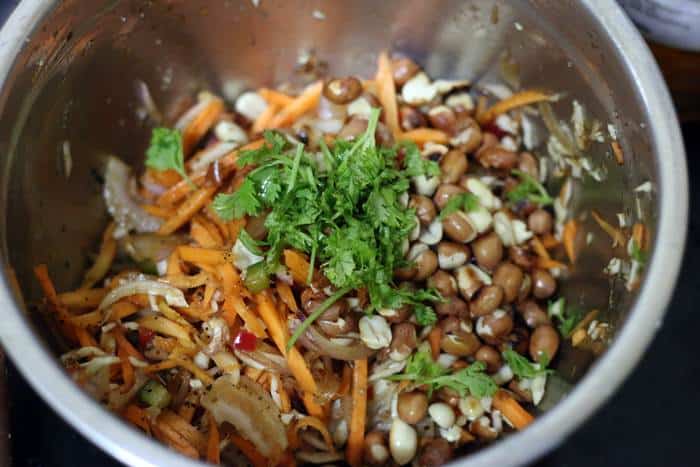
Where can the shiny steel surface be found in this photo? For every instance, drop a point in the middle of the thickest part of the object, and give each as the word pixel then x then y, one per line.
pixel 69 72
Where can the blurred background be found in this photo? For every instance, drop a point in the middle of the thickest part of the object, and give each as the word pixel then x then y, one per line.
pixel 651 421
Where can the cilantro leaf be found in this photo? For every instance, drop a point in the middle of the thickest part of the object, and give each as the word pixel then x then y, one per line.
pixel 250 243
pixel 239 203
pixel 529 189
pixel 462 202
pixel 568 317
pixel 522 367
pixel 415 164
pixel 636 253
pixel 165 152
pixel 425 316
pixel 422 370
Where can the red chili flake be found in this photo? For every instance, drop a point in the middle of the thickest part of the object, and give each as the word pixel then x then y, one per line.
pixel 496 130
pixel 145 337
pixel 245 341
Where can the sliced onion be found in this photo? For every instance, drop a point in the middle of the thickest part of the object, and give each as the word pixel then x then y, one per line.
pixel 313 339
pixel 172 295
pixel 264 357
pixel 251 411
pixel 150 247
pixel 125 210
pixel 211 154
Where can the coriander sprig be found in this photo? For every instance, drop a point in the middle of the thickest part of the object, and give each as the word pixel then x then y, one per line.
pixel 529 189
pixel 422 370
pixel 165 152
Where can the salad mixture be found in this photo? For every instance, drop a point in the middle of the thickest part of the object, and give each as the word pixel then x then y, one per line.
pixel 358 271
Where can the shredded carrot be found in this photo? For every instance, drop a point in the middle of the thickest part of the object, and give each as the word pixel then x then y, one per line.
pixel 511 410
pixel 84 337
pixel 434 338
pixel 569 239
pixel 639 234
pixel 189 208
pixel 279 334
pixel 200 124
pixel 264 120
pixel 185 429
pixel 108 250
pixel 518 99
pixel 305 102
pixel 345 381
pixel 234 304
pixel 285 293
pixel 275 97
pixel 421 136
pixel 210 256
pixel 314 409
pixel 127 369
pixel 615 234
pixel 184 281
pixel 137 416
pixel 234 228
pixel 41 272
pixel 173 267
pixel 160 366
pixel 540 250
pixel 82 298
pixel 205 234
pixel 298 266
pixel 123 309
pixel 549 241
pixel 213 453
pixel 165 178
pixel 549 263
pixel 249 450
pixel 167 327
pixel 356 436
pixel 386 92
pixel 481 105
pixel 158 211
pixel 221 225
pixel 617 152
pixel 227 164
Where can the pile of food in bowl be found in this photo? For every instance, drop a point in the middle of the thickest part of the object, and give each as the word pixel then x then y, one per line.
pixel 359 270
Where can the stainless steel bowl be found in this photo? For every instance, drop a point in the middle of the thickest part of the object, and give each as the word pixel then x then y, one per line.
pixel 68 71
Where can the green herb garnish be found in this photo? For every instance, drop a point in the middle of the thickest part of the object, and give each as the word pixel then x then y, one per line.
pixel 250 243
pixel 568 317
pixel 637 254
pixel 529 189
pixel 422 370
pixel 341 207
pixel 463 202
pixel 165 152
pixel 524 368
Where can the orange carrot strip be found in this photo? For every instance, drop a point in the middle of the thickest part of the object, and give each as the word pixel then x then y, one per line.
pixel 158 211
pixel 434 338
pixel 298 265
pixel 188 209
pixel 108 250
pixel 518 99
pixel 122 309
pixel 549 241
pixel 275 97
pixel 221 225
pixel 210 256
pixel 511 410
pixel 617 152
pixel 615 234
pixel 306 101
pixel 386 92
pixel 234 228
pixel 356 437
pixel 173 267
pixel 170 436
pixel 569 239
pixel 249 450
pixel 200 124
pixel 264 120
pixel 280 336
pixel 82 298
pixel 85 339
pixel 213 453
pixel 165 178
pixel 41 272
pixel 285 293
pixel 345 381
pixel 137 416
pixel 639 234
pixel 201 236
pixel 539 248
pixel 421 136
pixel 227 164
